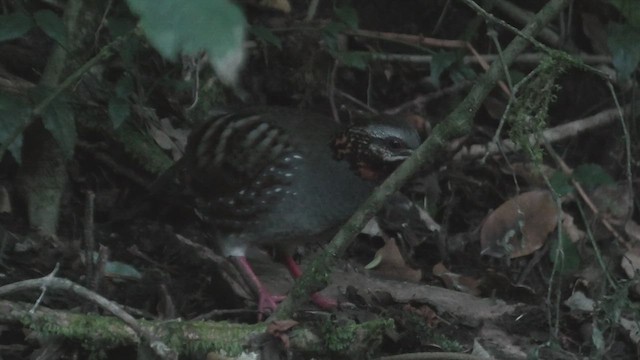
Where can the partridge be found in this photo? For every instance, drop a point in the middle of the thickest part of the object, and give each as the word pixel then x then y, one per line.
pixel 279 177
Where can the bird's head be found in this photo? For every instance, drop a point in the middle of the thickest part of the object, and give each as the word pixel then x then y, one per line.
pixel 374 147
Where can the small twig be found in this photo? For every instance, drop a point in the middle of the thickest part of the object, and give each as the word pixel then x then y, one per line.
pixel 523 17
pixel 490 17
pixel 585 197
pixel 43 287
pixel 443 13
pixel 531 58
pixel 331 92
pixel 89 240
pixel 56 283
pixel 627 146
pixel 426 41
pixel 222 312
pixel 101 263
pixel 422 100
pixel 355 101
pixel 551 135
pixel 433 356
pixel 103 21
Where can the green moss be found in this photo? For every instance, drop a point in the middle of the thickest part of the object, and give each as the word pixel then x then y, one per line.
pixel 417 326
pixel 196 338
pixel 352 338
pixel 529 108
pixel 99 333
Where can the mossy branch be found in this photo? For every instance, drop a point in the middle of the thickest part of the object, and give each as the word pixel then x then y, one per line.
pixel 192 337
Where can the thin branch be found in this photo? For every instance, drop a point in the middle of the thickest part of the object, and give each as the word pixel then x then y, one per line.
pixel 531 58
pixel 55 283
pixel 555 134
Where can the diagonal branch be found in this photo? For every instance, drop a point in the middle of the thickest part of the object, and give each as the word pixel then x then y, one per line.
pixel 458 123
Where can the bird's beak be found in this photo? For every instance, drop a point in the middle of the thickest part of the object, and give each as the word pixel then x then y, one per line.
pixel 398 156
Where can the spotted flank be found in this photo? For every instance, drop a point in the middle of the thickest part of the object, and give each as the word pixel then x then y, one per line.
pixel 245 162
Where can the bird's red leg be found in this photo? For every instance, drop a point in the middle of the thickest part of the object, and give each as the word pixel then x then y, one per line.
pixel 295 271
pixel 267 303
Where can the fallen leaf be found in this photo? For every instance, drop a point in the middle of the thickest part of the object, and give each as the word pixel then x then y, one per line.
pixel 390 262
pixel 279 329
pixel 455 281
pixel 520 226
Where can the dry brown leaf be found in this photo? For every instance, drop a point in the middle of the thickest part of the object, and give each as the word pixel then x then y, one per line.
pixel 279 329
pixel 279 326
pixel 391 263
pixel 519 226
pixel 455 281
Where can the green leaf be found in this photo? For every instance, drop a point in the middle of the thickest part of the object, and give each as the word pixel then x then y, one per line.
pixel 462 73
pixel 333 29
pixel 59 120
pixel 14 114
pixel 566 253
pixel 119 26
pixel 52 25
pixel 119 270
pixel 14 25
pixel 560 183
pixel 176 27
pixel 266 35
pixel 592 176
pixel 354 59
pixel 348 16
pixel 630 9
pixel 124 87
pixel 441 61
pixel 119 110
pixel 623 41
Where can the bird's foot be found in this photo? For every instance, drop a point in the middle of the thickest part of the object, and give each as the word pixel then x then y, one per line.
pixel 324 302
pixel 267 303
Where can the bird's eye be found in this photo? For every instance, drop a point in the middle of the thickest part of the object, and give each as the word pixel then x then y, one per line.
pixel 395 143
